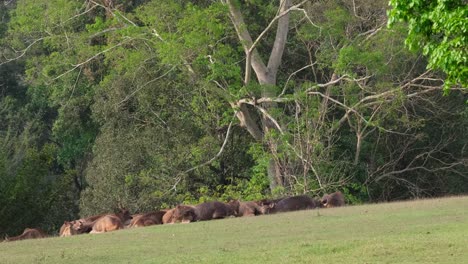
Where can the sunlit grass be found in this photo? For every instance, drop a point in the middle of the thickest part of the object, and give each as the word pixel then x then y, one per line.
pixel 425 231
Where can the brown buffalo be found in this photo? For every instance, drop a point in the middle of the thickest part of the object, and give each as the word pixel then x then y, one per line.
pixel 153 218
pixel 293 203
pixel 249 209
pixel 168 217
pixel 267 204
pixel 135 218
pixel 233 208
pixel 107 223
pixel 28 233
pixel 335 199
pixel 184 214
pixel 68 229
pixel 205 211
pixel 85 225
pixel 111 222
pixel 129 220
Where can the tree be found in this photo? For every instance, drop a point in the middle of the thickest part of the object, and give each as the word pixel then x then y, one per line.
pixel 364 66
pixel 440 30
pixel 101 104
pixel 266 75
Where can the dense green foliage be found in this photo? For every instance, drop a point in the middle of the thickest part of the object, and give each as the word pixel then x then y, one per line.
pixel 122 103
pixel 422 231
pixel 440 29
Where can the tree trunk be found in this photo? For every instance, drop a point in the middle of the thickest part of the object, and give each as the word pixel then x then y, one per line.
pixel 266 76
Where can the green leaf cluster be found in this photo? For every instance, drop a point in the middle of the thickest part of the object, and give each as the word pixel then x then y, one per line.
pixel 440 30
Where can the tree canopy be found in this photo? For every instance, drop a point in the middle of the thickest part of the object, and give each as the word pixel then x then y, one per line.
pixel 439 29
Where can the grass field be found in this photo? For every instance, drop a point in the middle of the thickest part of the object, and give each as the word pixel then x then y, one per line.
pixel 424 231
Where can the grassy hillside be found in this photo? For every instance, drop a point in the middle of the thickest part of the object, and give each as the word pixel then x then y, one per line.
pixel 425 231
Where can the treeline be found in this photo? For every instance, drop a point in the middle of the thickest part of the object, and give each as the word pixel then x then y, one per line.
pixel 147 104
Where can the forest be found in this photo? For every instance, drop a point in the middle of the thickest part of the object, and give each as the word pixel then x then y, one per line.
pixel 146 104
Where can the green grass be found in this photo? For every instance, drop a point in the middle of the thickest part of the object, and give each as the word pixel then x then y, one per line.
pixel 425 231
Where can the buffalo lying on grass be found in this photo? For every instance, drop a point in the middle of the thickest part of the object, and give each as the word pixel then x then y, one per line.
pixel 168 217
pixel 67 229
pixel 205 211
pixel 293 203
pixel 111 222
pixel 184 214
pixel 249 209
pixel 28 233
pixel 335 199
pixel 85 225
pixel 188 213
pixel 153 218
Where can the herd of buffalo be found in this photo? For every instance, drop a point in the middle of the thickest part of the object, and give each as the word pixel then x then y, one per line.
pixel 186 214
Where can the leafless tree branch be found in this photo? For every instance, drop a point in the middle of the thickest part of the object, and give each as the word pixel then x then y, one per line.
pixel 24 51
